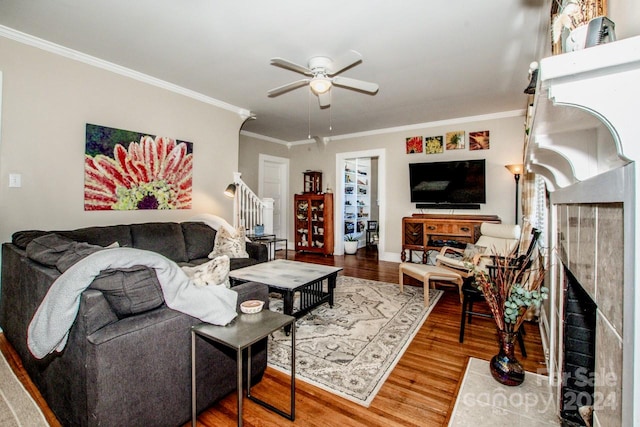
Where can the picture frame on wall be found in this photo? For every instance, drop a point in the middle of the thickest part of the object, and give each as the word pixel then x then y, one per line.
pixel 455 140
pixel 414 144
pixel 130 170
pixel 479 140
pixel 433 145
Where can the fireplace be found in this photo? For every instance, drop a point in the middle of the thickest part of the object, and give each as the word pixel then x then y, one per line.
pixel 589 310
pixel 579 340
pixel 583 139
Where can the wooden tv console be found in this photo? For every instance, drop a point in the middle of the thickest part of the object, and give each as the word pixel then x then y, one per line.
pixel 425 232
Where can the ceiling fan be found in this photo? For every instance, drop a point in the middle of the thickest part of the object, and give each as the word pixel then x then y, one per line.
pixel 322 75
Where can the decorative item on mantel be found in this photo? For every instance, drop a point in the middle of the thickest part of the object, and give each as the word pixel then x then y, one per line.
pixel 510 291
pixel 585 23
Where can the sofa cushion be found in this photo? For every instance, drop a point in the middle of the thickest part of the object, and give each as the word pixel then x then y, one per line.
pixel 130 290
pixel 101 236
pixel 165 238
pixel 231 244
pixel 242 262
pixel 198 238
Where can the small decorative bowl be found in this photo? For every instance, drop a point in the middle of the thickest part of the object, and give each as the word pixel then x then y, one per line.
pixel 251 306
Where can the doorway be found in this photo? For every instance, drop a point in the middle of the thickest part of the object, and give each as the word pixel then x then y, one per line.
pixel 356 203
pixel 273 182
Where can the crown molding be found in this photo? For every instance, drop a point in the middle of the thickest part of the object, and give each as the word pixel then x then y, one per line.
pixel 417 126
pixel 75 55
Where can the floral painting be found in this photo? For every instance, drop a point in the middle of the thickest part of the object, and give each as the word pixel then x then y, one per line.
pixel 414 144
pixel 479 140
pixel 433 145
pixel 126 170
pixel 455 140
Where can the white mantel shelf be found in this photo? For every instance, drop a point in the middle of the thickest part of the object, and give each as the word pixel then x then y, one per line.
pixel 598 132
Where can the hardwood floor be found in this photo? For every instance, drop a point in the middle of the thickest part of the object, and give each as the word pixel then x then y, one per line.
pixel 421 390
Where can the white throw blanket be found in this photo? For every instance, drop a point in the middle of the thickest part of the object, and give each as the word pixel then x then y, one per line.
pixel 49 328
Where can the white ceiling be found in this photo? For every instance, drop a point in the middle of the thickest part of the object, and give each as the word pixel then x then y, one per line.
pixel 433 59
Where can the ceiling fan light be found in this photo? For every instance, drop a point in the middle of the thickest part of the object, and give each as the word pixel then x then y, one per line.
pixel 320 85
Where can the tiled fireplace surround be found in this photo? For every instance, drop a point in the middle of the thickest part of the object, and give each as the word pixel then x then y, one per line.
pixel 590 240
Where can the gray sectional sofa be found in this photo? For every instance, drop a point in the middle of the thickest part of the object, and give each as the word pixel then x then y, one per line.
pixel 123 368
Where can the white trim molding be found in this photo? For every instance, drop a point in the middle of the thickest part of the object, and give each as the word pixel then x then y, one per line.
pixel 57 49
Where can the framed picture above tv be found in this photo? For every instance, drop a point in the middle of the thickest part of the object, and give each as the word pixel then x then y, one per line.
pixel 448 185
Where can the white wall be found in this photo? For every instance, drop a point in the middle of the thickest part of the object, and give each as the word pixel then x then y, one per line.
pixel 507 136
pixel 48 99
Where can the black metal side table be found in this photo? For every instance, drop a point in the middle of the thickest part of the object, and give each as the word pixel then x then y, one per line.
pixel 243 332
pixel 271 240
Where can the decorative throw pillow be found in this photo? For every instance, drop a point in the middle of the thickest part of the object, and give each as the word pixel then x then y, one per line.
pixel 471 251
pixel 214 272
pixel 232 245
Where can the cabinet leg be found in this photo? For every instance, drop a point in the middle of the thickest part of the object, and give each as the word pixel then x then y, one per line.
pixel 425 258
pixel 403 256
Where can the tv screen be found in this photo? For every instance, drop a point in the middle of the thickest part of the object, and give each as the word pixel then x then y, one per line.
pixel 455 182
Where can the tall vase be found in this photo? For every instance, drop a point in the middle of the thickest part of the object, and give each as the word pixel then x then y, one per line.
pixel 504 366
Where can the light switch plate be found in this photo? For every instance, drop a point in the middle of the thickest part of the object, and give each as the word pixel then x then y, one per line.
pixel 15 180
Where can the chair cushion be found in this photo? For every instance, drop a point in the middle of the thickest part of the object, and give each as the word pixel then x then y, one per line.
pixel 499 239
pixel 457 263
pixel 501 231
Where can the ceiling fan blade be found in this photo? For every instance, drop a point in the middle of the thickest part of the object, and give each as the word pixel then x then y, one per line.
pixel 347 60
pixel 284 63
pixel 360 85
pixel 286 88
pixel 325 99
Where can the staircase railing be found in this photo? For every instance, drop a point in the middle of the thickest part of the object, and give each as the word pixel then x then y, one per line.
pixel 249 210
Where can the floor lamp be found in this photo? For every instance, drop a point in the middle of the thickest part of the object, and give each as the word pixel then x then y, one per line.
pixel 516 170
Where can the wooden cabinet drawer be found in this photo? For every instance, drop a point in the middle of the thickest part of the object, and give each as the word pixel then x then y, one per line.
pixel 464 230
pixel 439 228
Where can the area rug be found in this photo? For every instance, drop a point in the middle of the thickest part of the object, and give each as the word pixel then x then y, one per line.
pixel 351 349
pixel 17 408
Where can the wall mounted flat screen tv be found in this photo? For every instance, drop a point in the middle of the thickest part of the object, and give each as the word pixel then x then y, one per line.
pixel 453 182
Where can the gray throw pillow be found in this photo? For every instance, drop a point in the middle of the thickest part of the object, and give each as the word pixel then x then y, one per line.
pixel 130 290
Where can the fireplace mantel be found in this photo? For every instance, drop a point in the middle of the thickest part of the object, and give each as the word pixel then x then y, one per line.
pixel 598 131
pixel 584 140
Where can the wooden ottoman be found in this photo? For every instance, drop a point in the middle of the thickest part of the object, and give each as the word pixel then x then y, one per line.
pixel 426 273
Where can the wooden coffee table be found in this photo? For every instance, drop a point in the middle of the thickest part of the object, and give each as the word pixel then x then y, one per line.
pixel 288 277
